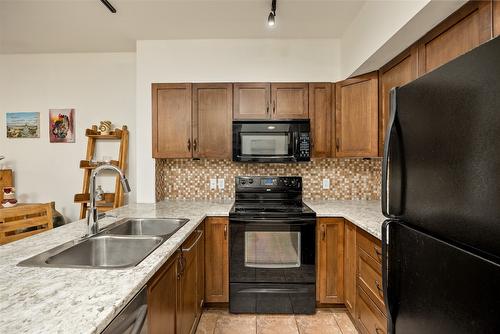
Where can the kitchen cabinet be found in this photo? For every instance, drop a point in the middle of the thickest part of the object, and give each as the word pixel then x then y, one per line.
pixel 270 101
pixel 330 280
pixel 369 319
pixel 496 18
pixel 216 260
pixel 251 101
pixel 464 30
pixel 162 298
pixel 397 72
pixel 172 120
pixel 188 310
pixel 212 120
pixel 350 256
pixel 320 114
pixel 289 100
pixel 356 116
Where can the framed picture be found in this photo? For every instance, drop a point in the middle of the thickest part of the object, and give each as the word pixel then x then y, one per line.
pixel 62 125
pixel 23 124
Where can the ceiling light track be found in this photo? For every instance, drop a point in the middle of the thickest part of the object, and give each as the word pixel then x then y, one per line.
pixel 271 19
pixel 109 6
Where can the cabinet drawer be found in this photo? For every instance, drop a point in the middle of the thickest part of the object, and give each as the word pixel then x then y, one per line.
pixel 371 247
pixel 369 318
pixel 370 278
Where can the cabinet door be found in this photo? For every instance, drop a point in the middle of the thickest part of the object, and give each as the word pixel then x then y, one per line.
pixel 356 117
pixel 187 309
pixel 289 100
pixel 251 100
pixel 350 267
pixel 212 120
pixel 172 121
pixel 320 113
pixel 331 260
pixel 216 260
pixel 496 18
pixel 461 32
pixel 397 72
pixel 369 319
pixel 162 299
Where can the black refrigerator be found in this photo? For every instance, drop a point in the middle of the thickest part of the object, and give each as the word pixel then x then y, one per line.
pixel 441 195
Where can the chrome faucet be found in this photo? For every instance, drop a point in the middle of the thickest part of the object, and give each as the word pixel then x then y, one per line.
pixel 93 217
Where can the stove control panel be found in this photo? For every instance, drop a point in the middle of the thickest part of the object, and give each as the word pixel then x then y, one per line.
pixel 268 183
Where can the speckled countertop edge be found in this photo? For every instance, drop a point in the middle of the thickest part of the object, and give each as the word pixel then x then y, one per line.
pixel 55 300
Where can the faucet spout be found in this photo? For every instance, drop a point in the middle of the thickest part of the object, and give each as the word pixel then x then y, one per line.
pixel 93 217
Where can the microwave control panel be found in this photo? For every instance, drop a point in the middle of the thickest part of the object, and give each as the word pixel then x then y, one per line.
pixel 304 146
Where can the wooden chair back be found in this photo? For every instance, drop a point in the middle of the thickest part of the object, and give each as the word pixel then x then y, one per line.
pixel 23 221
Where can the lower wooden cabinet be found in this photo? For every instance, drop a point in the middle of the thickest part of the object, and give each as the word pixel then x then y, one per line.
pixel 173 293
pixel 350 257
pixel 162 298
pixel 369 319
pixel 330 280
pixel 216 260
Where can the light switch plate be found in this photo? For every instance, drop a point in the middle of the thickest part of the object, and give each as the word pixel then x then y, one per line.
pixel 220 184
pixel 326 183
pixel 213 184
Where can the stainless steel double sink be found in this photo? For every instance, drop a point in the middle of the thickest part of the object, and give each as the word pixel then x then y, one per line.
pixel 120 245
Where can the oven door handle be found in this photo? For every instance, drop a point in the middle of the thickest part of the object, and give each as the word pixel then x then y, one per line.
pixel 274 220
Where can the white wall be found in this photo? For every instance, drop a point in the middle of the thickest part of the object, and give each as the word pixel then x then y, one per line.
pixel 221 60
pixel 98 86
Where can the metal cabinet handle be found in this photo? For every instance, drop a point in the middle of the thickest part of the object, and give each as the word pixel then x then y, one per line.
pixel 225 232
pixel 274 106
pixel 337 143
pixel 379 330
pixel 379 288
pixel 267 108
pixel 379 253
pixel 189 144
pixel 180 267
pixel 187 250
pixel 195 145
pixel 323 232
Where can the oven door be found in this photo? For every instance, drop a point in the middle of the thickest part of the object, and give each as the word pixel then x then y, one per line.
pixel 272 250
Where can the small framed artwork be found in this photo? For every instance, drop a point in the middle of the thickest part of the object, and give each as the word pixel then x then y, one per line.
pixel 62 125
pixel 23 124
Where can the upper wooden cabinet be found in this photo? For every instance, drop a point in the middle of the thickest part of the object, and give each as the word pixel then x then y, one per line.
pixel 252 100
pixel 356 116
pixel 289 100
pixel 496 18
pixel 461 32
pixel 330 281
pixel 320 113
pixel 172 120
pixel 397 72
pixel 216 260
pixel 270 101
pixel 212 120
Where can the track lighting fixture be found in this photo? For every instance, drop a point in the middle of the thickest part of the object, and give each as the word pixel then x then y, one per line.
pixel 109 6
pixel 271 19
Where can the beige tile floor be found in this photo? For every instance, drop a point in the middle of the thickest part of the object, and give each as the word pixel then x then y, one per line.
pixel 325 321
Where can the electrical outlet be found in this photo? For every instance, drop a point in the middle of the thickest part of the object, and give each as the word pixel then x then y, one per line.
pixel 326 183
pixel 220 184
pixel 213 184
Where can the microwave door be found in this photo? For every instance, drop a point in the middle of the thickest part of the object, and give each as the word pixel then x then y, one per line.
pixel 266 146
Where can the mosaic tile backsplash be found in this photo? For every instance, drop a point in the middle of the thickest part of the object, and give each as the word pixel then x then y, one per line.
pixel 350 179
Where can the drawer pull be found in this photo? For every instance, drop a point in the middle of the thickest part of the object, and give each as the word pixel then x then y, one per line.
pixel 380 291
pixel 379 330
pixel 379 254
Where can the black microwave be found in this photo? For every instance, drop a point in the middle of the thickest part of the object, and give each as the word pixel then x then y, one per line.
pixel 271 141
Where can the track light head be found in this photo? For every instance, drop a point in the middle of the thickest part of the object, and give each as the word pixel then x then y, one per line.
pixel 271 19
pixel 109 6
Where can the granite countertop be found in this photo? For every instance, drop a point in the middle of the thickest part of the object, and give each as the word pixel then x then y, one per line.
pixel 56 300
pixel 364 214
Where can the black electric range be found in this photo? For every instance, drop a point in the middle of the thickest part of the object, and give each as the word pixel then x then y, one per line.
pixel 272 247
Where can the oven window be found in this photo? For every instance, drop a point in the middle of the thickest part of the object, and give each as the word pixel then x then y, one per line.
pixel 264 144
pixel 272 249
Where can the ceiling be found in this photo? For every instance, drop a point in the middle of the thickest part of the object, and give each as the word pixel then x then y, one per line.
pixel 40 26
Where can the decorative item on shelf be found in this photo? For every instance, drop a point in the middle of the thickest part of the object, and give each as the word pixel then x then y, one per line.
pixel 9 197
pixel 62 125
pixel 57 218
pixel 99 194
pixel 105 127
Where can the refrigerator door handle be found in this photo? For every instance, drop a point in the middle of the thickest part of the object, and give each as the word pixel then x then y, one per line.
pixel 385 161
pixel 385 275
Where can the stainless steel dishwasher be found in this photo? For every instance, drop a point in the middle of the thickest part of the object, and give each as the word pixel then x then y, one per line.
pixel 133 318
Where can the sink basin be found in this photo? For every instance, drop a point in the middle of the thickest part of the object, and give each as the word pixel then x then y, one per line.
pixel 100 251
pixel 146 226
